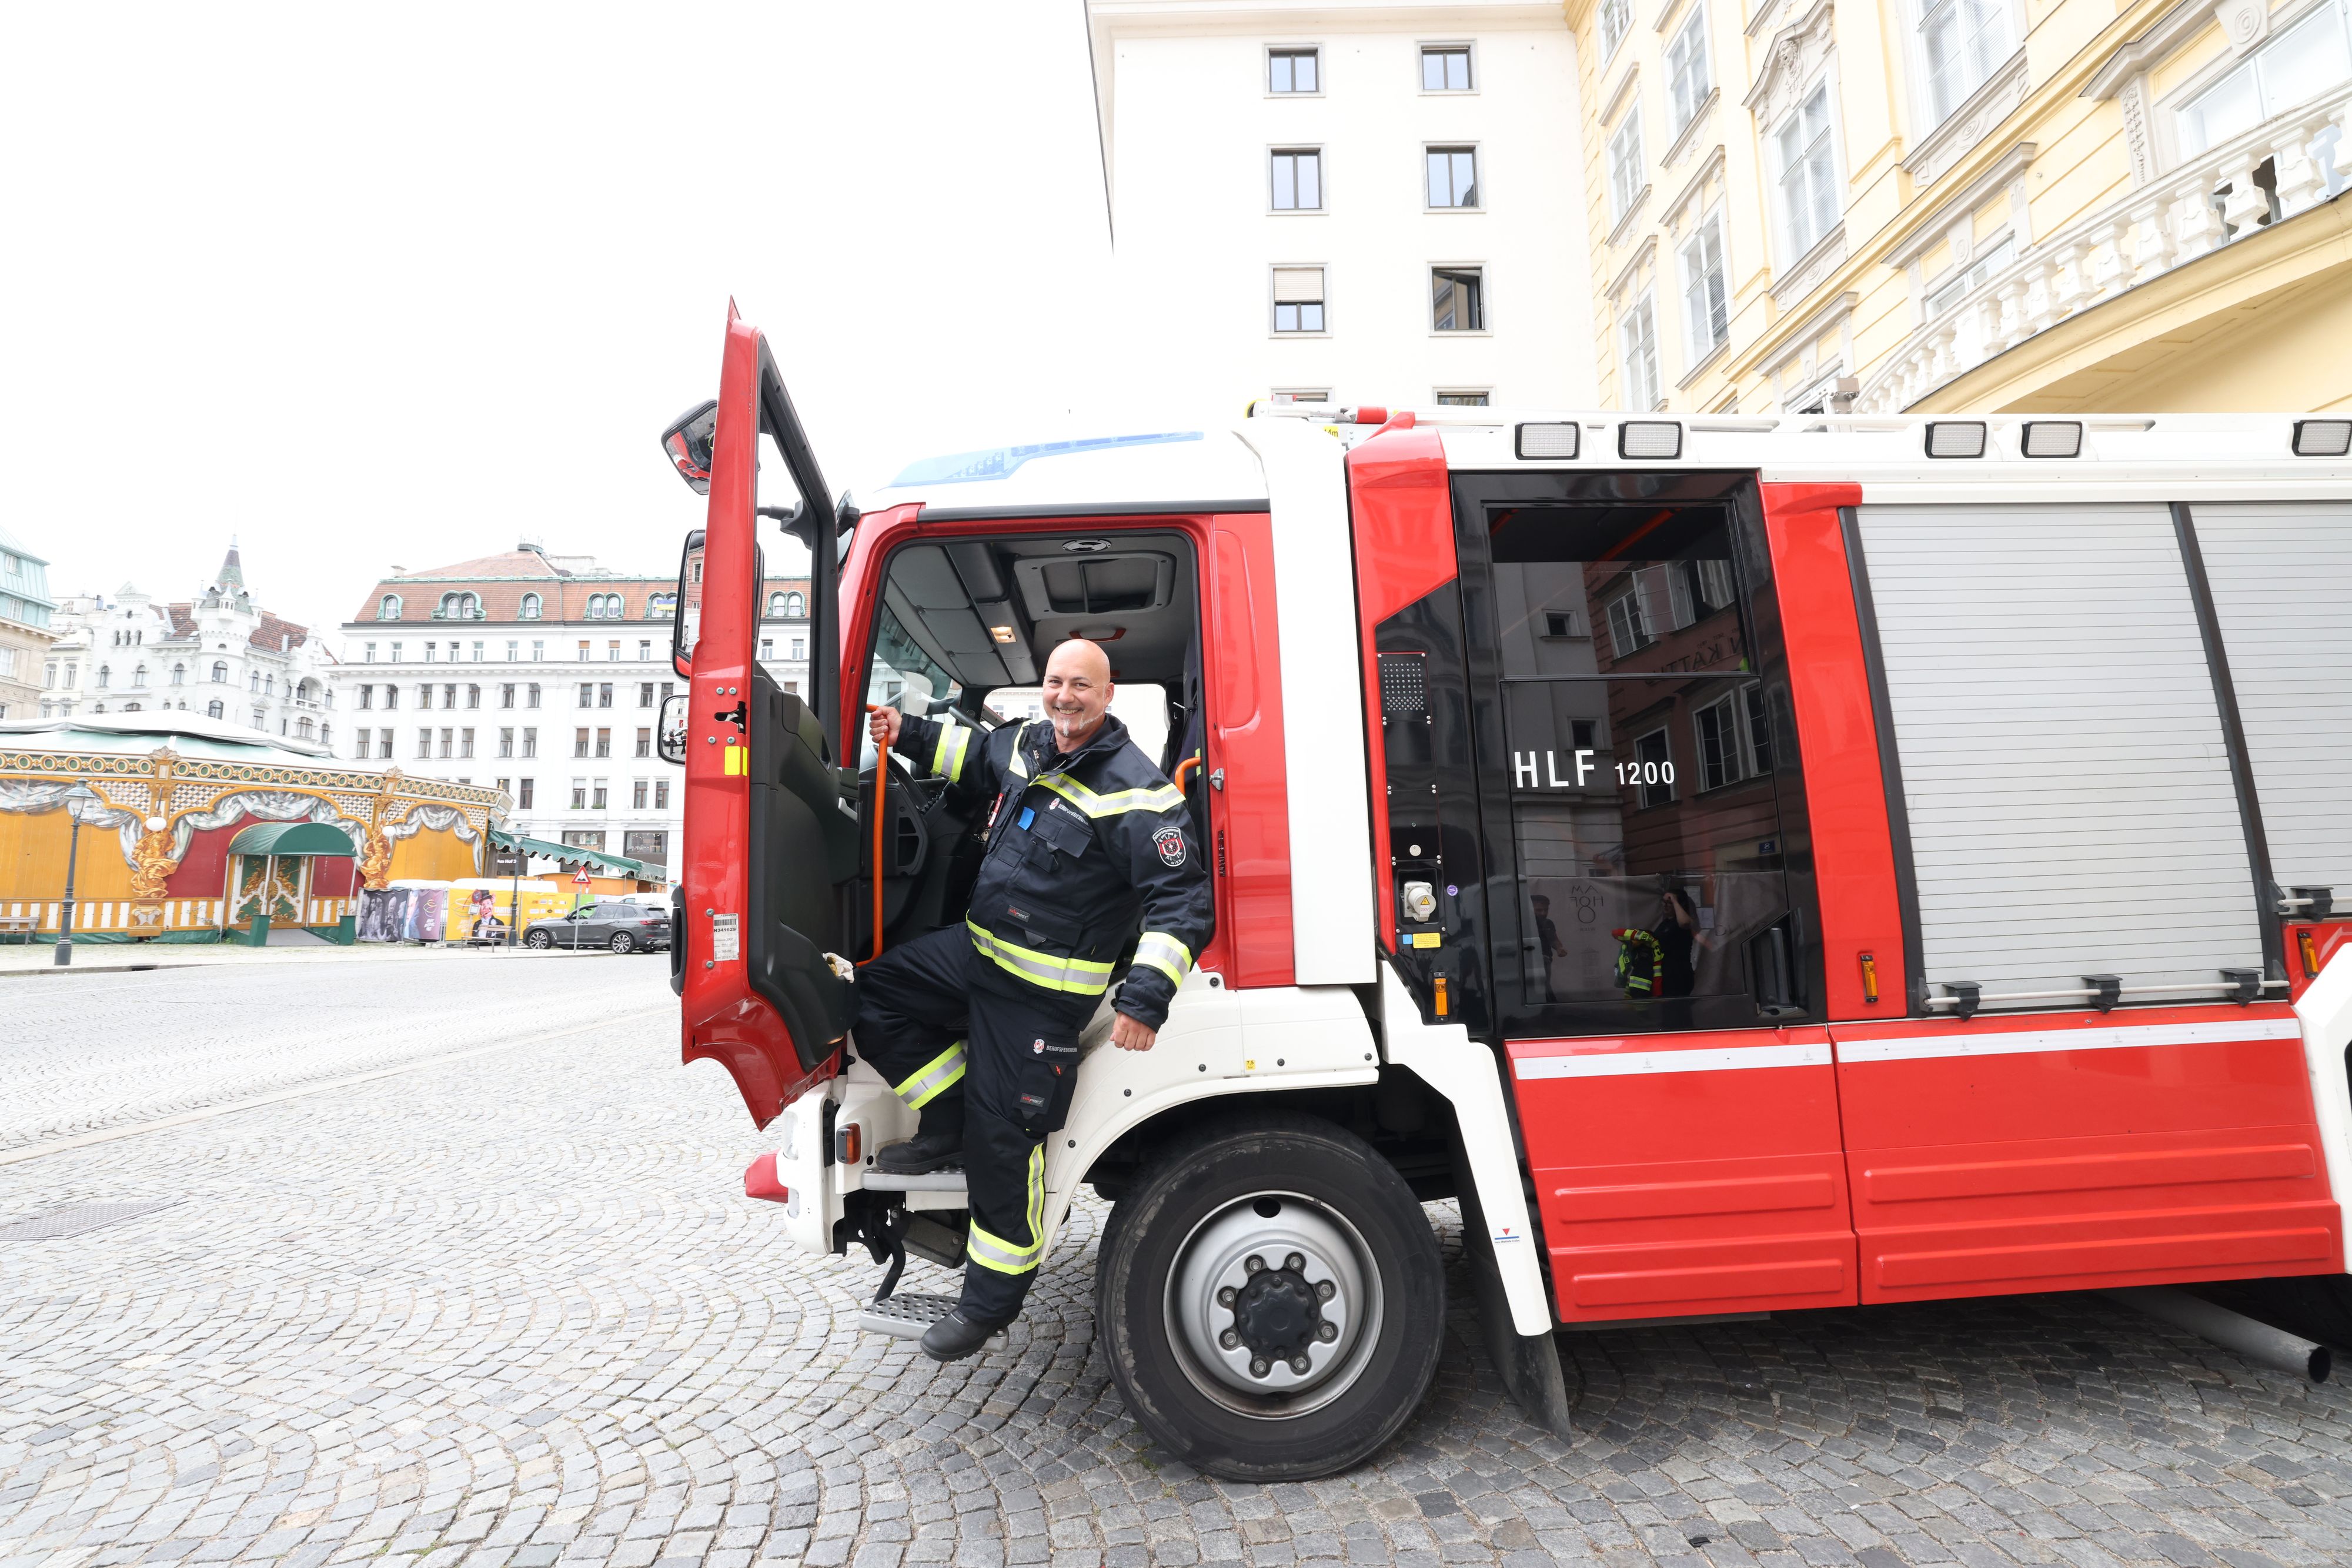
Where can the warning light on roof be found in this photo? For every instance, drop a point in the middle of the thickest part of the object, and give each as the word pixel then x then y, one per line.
pixel 1650 438
pixel 2323 437
pixel 1956 438
pixel 1554 441
pixel 2051 438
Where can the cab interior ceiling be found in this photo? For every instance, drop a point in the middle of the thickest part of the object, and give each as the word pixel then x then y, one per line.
pixel 1134 594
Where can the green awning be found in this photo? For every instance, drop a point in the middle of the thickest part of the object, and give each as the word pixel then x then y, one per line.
pixel 291 839
pixel 573 854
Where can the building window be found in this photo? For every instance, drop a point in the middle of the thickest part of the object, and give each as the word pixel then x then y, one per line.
pixel 604 693
pixel 506 742
pixel 179 675
pixel 796 606
pixel 1627 174
pixel 432 652
pixel 363 749
pixel 587 693
pixel 446 736
pixel 506 694
pixel 661 606
pixel 579 743
pixel 644 746
pixel 388 607
pixel 1293 71
pixel 1460 398
pixel 1655 761
pixel 1707 308
pixel 391 696
pixel 1298 180
pixel 395 652
pixel 1687 75
pixel 1971 277
pixel 1963 41
pixel 450 697
pixel 637 792
pixel 367 696
pixel 523 793
pixel 477 652
pixel 645 649
pixel 645 694
pixel 473 696
pixel 513 650
pixel 460 607
pixel 1446 67
pixel 767 647
pixel 423 743
pixel 1809 206
pixel 2300 63
pixel 775 607
pixel 599 797
pixel 604 743
pixel 613 653
pixel 530 610
pixel 1299 299
pixel 1453 176
pixel 538 651
pixel 1638 344
pixel 800 648
pixel 1616 20
pixel 531 695
pixel 1457 299
pixel 661 794
pixel 465 743
pixel 579 794
pixel 531 743
pixel 213 710
pixel 1733 741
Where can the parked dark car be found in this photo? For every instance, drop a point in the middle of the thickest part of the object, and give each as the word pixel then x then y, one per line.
pixel 621 927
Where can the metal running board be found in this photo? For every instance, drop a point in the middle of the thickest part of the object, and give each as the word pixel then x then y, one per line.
pixel 949 1180
pixel 907 1316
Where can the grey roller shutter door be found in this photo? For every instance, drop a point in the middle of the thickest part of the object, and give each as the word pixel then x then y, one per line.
pixel 2282 579
pixel 2066 782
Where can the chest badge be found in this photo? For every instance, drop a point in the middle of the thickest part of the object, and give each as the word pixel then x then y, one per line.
pixel 1170 843
pixel 1037 1047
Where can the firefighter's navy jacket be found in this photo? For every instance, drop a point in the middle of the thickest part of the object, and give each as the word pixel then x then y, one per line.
pixel 1082 847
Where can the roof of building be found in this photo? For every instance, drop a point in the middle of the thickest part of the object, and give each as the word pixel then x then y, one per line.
pixel 9 543
pixel 232 571
pixel 562 584
pixel 191 734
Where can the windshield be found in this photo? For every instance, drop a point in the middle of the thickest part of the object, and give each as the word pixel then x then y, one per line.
pixel 904 676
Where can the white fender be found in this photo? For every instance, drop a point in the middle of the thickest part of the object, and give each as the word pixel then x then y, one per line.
pixel 2326 1012
pixel 1217 1042
pixel 1444 1058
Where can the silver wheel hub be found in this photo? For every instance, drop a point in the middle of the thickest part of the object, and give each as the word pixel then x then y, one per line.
pixel 1274 1296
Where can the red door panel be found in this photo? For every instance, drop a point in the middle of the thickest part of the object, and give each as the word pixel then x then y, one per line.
pixel 1250 815
pixel 1687 1174
pixel 2074 1151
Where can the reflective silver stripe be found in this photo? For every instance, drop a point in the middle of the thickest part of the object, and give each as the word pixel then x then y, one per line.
pixel 1019 767
pixel 942 1072
pixel 1165 954
pixel 1009 1257
pixel 947 757
pixel 1159 798
pixel 1080 976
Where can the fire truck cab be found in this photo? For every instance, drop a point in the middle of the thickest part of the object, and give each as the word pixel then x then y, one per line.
pixel 1749 863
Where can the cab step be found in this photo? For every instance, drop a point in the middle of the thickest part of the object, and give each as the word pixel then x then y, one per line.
pixel 949 1180
pixel 909 1316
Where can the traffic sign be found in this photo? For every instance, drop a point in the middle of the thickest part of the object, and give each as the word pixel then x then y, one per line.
pixel 579 877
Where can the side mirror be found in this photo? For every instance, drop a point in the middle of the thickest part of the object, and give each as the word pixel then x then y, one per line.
pixel 669 740
pixel 686 443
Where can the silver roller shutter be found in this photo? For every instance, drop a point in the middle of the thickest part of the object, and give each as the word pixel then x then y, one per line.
pixel 2282 579
pixel 2069 794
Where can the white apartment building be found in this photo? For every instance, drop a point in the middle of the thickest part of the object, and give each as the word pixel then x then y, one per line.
pixel 541 675
pixel 216 653
pixel 1356 201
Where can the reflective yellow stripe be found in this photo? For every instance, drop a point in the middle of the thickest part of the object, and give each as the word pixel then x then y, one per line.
pixel 1165 954
pixel 1161 797
pixel 1004 1257
pixel 1020 764
pixel 1075 975
pixel 947 757
pixel 924 1085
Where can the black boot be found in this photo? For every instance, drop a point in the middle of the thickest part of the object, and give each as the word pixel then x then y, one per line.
pixel 920 1154
pixel 938 1142
pixel 955 1336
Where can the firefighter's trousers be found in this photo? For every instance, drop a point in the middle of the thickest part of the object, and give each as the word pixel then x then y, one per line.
pixel 943 1024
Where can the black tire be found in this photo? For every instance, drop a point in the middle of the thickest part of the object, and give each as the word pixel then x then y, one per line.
pixel 623 942
pixel 1185 1211
pixel 539 939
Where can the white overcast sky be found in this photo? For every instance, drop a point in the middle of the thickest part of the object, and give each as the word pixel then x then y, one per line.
pixel 403 283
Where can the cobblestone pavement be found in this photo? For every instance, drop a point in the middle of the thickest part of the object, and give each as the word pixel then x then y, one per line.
pixel 511 1309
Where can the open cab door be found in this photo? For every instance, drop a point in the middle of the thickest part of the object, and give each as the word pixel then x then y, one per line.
pixel 770 840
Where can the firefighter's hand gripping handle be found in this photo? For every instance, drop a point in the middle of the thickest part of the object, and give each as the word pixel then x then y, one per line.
pixel 882 725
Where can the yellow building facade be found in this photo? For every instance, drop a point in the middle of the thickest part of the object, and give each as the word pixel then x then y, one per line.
pixel 1936 205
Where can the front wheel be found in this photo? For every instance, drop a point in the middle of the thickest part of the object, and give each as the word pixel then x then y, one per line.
pixel 539 939
pixel 1272 1299
pixel 623 942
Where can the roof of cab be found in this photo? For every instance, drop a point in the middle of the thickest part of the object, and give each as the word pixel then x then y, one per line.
pixel 1175 470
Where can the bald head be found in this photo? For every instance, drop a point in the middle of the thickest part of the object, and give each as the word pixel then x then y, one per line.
pixel 1076 692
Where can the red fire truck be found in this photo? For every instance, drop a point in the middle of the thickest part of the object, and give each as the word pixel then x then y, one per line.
pixel 1749 863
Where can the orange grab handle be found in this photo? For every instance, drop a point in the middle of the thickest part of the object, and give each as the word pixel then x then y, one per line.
pixel 881 779
pixel 1188 765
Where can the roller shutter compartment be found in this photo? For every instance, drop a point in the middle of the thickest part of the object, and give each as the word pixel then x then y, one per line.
pixel 2069 795
pixel 2282 580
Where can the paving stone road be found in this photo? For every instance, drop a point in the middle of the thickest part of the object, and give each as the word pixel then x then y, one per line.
pixel 510 1308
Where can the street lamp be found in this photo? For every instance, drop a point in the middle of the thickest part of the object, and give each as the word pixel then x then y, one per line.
pixel 78 799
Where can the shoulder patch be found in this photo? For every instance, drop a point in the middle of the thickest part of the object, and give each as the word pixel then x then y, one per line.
pixel 1170 843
